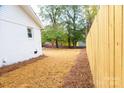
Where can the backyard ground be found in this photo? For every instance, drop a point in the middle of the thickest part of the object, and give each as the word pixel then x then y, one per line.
pixel 58 68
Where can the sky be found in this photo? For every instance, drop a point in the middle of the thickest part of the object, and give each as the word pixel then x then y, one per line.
pixel 37 11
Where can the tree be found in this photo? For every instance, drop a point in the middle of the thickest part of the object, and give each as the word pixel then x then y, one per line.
pixel 89 12
pixel 49 35
pixel 52 14
pixel 73 21
pixel 70 21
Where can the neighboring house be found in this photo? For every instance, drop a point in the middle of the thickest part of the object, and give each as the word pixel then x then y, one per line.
pixel 20 36
pixel 81 44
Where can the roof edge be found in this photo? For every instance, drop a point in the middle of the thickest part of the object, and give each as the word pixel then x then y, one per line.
pixel 28 9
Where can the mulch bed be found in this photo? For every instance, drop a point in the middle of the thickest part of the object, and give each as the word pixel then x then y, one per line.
pixel 12 67
pixel 80 75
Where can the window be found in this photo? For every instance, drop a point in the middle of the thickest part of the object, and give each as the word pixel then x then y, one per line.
pixel 29 32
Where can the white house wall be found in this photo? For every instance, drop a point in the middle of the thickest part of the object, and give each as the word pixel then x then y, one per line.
pixel 16 14
pixel 15 46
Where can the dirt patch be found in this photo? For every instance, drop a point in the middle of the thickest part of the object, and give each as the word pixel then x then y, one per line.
pixel 80 75
pixel 15 66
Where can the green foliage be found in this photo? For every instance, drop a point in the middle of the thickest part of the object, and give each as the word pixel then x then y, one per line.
pixel 50 34
pixel 73 21
pixel 51 13
pixel 89 13
pixel 67 23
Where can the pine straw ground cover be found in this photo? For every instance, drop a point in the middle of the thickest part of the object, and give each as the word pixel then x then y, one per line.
pixel 50 72
pixel 80 75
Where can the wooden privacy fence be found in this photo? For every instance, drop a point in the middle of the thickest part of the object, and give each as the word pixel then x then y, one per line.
pixel 105 47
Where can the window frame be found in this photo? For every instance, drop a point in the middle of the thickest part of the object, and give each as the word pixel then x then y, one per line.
pixel 30 33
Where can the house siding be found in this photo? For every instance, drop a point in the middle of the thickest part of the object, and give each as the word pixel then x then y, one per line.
pixel 16 14
pixel 15 46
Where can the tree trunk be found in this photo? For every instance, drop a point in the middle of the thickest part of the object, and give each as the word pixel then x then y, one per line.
pixel 61 44
pixel 57 46
pixel 73 44
pixel 52 44
pixel 69 42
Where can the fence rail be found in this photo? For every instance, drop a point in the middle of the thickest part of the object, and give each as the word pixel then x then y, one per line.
pixel 105 47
